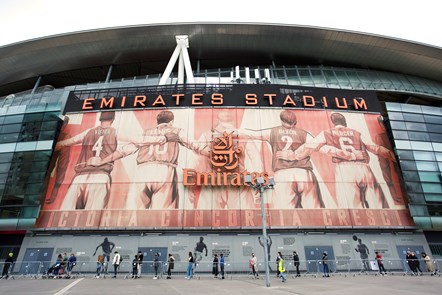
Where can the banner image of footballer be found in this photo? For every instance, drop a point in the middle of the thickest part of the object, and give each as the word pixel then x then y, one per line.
pixel 184 168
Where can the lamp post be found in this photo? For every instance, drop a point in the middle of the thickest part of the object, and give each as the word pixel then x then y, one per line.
pixel 262 187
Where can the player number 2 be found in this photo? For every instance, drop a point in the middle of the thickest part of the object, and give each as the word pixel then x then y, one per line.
pixel 98 146
pixel 288 142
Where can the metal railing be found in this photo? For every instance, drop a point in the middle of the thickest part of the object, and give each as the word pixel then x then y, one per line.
pixel 232 270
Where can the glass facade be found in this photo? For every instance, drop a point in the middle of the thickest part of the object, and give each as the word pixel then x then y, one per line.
pixel 28 126
pixel 417 133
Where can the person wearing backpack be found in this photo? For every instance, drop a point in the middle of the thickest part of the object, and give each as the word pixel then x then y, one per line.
pixel 116 263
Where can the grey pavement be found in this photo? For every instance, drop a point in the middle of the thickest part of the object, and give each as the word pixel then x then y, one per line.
pixel 358 285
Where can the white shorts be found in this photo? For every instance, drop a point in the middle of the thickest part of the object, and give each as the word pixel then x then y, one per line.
pixel 154 187
pixel 296 188
pixel 88 191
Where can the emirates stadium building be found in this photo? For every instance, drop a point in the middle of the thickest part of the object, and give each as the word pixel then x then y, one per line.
pixel 218 139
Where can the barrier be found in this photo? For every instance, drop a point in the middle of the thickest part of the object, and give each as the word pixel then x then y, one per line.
pixel 343 267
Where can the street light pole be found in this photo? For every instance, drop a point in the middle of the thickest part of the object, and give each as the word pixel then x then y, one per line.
pixel 264 234
pixel 262 187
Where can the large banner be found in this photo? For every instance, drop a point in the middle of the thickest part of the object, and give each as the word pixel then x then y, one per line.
pixel 184 168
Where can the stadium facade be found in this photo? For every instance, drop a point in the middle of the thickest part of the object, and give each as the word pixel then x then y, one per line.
pixel 103 140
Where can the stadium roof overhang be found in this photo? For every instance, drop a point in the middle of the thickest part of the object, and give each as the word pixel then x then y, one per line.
pixel 82 57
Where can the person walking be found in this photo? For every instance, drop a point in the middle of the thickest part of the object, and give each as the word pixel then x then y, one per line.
pixel 116 263
pixel 171 265
pixel 378 257
pixel 221 265
pixel 190 266
pixel 281 267
pixel 296 263
pixel 325 268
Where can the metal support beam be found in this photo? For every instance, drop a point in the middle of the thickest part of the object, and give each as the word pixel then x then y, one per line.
pixel 184 62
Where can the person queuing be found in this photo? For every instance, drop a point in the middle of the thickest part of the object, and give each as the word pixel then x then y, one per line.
pixel 190 266
pixel 171 265
pixel 8 263
pixel 378 258
pixel 72 261
pixel 215 269
pixel 221 265
pixel 116 263
pixel 296 263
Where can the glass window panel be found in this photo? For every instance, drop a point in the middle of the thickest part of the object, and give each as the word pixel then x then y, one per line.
pixel 435 137
pixel 47 135
pixel 392 106
pixel 413 117
pixel 12 128
pixel 43 155
pixel 416 198
pixel 436 221
pixel 433 119
pixel 434 128
pixel 7 147
pixel 418 210
pixel 414 135
pixel 437 147
pixel 4 167
pixel 400 134
pixel 432 187
pixel 405 155
pixel 411 176
pixel 426 166
pixel 433 197
pixel 395 116
pixel 408 165
pixel 6 157
pixel 424 156
pixel 26 146
pixel 411 108
pixel 402 144
pixel 417 145
pixel 3 178
pixel 33 117
pixel 414 187
pixel 429 176
pixel 397 125
pixel 431 110
pixel 423 222
pixel 13 119
pixel 416 126
pixel 44 145
pixel 439 157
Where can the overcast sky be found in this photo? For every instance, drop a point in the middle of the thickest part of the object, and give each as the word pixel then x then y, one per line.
pixel 418 21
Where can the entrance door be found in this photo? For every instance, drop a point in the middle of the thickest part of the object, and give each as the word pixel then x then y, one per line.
pixel 149 255
pixel 313 254
pixel 32 259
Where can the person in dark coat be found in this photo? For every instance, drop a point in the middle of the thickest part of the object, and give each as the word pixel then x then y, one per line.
pixel 8 263
pixel 296 263
pixel 215 270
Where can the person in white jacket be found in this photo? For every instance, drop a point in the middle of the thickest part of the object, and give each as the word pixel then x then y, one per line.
pixel 116 263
